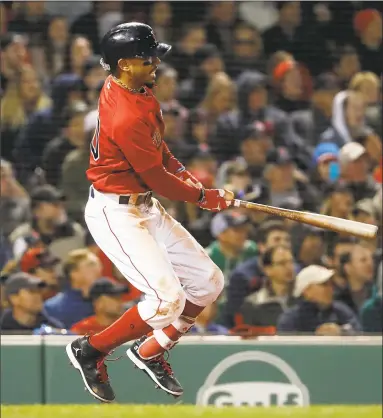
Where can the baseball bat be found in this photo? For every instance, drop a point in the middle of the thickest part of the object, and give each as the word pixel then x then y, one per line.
pixel 357 229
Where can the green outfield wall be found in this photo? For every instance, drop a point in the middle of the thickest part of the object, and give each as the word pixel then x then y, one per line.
pixel 213 370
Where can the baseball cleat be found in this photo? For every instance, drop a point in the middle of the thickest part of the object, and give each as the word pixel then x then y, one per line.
pixel 91 365
pixel 157 368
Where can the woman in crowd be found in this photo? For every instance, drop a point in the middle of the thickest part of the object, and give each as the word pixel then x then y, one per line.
pixel 22 98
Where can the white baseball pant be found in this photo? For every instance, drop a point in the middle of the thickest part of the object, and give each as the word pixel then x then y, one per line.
pixel 156 254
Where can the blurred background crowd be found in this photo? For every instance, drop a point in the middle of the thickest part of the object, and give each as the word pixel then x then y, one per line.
pixel 278 101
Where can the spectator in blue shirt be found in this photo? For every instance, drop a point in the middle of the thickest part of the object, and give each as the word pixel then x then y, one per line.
pixel 82 269
pixel 317 312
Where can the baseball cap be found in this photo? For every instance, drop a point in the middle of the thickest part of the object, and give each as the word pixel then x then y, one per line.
pixel 311 275
pixel 279 156
pixel 19 281
pixel 105 286
pixel 256 130
pixel 46 193
pixel 326 151
pixel 37 257
pixel 365 205
pixel 225 220
pixel 351 152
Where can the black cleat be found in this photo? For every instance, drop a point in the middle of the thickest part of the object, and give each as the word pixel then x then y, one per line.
pixel 158 369
pixel 90 363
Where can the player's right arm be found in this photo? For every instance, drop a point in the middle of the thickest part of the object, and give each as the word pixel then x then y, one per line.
pixel 146 160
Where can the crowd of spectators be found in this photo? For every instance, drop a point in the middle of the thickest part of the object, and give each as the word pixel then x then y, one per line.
pixel 279 102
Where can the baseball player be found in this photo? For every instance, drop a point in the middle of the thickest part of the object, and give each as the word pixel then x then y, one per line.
pixel 129 160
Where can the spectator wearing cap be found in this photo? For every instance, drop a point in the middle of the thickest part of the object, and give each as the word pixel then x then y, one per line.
pixel 371 312
pixel 252 102
pixel 74 182
pixel 368 28
pixel 43 126
pixel 26 304
pixel 231 246
pixel 284 181
pixel 325 167
pixel 364 211
pixel 248 277
pixel 93 77
pixel 317 312
pixel 192 36
pixel 81 268
pixel 207 62
pixel 357 266
pixel 311 123
pixel 13 54
pixel 256 141
pixel 354 171
pixel 264 307
pixel 58 148
pixel 247 51
pixel 108 306
pixel 40 263
pixel 50 225
pixel 14 200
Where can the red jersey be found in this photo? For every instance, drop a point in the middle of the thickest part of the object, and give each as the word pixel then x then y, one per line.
pixel 128 140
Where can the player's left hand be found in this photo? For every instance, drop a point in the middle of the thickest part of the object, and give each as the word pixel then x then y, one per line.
pixel 187 177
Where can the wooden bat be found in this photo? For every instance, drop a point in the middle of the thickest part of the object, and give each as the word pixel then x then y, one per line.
pixel 357 229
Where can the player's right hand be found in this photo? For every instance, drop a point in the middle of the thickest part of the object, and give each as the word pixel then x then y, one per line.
pixel 216 200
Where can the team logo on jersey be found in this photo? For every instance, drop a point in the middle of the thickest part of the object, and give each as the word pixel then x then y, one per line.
pixel 157 138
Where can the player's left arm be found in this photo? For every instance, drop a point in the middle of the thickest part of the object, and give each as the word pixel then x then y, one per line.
pixel 175 167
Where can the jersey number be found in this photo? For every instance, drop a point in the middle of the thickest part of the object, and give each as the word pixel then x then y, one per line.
pixel 95 144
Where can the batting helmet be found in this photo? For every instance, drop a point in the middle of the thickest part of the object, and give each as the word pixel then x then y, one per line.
pixel 130 40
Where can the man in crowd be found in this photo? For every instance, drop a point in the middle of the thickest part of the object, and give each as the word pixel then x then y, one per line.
pixel 317 312
pixel 264 307
pixel 354 168
pixel 49 225
pixel 26 312
pixel 40 263
pixel 232 246
pixel 283 183
pixel 358 269
pixel 248 276
pixel 108 306
pixel 82 269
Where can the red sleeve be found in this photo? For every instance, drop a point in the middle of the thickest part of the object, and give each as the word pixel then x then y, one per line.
pixel 170 162
pixel 137 144
pixel 169 186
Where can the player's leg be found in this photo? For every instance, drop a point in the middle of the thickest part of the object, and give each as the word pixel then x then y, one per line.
pixel 120 232
pixel 202 282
